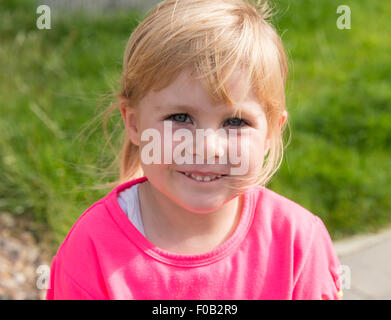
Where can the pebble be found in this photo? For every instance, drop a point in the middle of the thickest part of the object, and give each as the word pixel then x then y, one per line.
pixel 20 257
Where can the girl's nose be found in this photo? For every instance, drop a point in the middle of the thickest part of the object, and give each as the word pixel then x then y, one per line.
pixel 210 144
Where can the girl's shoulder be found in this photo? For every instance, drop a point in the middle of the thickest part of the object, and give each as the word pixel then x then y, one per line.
pixel 97 221
pixel 280 210
pixel 96 217
pixel 88 222
pixel 286 227
pixel 277 218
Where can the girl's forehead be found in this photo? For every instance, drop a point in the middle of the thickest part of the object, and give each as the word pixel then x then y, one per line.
pixel 186 89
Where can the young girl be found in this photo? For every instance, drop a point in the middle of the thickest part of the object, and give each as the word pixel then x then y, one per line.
pixel 189 224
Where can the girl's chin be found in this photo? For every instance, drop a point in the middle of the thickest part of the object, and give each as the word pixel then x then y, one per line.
pixel 198 196
pixel 201 204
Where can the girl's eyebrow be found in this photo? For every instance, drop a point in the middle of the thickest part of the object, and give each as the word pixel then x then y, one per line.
pixel 184 107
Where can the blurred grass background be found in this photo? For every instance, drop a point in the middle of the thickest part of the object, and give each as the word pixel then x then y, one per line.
pixel 53 82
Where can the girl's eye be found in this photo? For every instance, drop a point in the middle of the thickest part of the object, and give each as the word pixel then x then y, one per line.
pixel 184 118
pixel 235 122
pixel 179 117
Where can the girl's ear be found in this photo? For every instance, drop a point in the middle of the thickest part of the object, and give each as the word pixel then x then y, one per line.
pixel 129 117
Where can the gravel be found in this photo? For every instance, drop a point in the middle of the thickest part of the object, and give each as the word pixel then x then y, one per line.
pixel 24 260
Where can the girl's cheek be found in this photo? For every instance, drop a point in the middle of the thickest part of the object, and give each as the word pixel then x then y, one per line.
pixel 249 151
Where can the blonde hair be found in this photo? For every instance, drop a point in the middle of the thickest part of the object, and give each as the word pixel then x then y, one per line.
pixel 214 38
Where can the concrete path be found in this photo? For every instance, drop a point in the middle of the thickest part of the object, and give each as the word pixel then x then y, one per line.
pixel 366 261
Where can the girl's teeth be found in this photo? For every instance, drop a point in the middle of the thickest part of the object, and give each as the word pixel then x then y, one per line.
pixel 199 178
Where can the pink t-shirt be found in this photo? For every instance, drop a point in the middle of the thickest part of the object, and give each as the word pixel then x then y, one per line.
pixel 279 250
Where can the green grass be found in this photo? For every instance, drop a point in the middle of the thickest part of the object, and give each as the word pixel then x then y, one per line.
pixel 52 82
pixel 339 100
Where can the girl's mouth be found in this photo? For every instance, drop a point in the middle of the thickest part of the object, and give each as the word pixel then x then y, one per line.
pixel 203 177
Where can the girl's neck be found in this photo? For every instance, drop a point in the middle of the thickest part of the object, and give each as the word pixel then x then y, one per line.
pixel 173 228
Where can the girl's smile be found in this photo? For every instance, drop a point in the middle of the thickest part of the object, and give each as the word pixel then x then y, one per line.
pixel 203 176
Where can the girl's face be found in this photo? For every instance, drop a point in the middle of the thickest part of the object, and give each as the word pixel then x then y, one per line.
pixel 198 188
